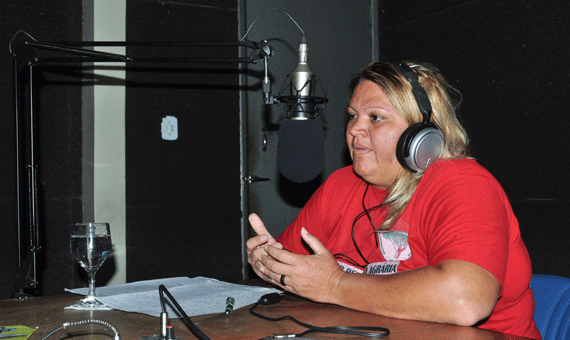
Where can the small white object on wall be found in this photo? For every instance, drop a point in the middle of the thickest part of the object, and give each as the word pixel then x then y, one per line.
pixel 169 128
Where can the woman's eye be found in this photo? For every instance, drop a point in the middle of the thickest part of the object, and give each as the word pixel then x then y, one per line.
pixel 350 116
pixel 376 118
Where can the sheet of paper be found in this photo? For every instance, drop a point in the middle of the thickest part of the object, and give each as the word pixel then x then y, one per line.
pixel 197 296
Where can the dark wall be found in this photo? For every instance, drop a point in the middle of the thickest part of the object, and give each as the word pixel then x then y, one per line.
pixel 509 61
pixel 183 196
pixel 57 109
pixel 183 203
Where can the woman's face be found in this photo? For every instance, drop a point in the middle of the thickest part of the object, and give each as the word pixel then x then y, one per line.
pixel 372 134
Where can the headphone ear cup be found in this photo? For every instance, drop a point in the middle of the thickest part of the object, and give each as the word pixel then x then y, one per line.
pixel 419 145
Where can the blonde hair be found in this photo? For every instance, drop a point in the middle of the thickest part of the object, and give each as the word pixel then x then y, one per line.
pixel 399 91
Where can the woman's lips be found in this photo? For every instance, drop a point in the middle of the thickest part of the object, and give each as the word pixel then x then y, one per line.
pixel 357 148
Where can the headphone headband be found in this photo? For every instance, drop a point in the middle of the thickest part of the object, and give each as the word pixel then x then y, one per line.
pixel 417 90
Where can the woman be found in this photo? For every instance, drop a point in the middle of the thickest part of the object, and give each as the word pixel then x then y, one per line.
pixel 443 241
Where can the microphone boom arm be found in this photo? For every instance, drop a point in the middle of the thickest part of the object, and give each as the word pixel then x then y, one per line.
pixel 24 50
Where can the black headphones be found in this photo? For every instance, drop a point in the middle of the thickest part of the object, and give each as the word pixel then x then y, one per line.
pixel 421 143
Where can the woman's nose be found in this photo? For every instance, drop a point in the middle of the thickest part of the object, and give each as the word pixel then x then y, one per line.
pixel 357 126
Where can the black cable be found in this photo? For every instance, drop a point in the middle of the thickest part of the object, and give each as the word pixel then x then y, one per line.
pixel 346 258
pixel 367 213
pixel 367 331
pixel 373 332
pixel 198 333
pixel 354 238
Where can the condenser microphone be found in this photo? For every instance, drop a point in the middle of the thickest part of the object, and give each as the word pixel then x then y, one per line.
pixel 301 145
pixel 302 87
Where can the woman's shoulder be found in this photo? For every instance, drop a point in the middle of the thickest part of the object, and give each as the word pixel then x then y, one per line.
pixel 461 173
pixel 460 167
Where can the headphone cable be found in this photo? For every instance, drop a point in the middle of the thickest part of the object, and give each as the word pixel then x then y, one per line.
pixel 272 298
pixel 367 212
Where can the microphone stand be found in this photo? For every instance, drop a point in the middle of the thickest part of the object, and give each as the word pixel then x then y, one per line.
pixel 23 49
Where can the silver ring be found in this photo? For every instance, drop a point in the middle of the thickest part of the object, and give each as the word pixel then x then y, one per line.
pixel 282 280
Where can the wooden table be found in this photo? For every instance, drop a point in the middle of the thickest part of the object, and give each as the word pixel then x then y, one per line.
pixel 48 313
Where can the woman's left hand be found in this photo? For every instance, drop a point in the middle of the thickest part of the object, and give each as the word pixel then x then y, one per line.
pixel 314 277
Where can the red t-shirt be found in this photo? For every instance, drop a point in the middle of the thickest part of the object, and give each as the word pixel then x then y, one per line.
pixel 458 211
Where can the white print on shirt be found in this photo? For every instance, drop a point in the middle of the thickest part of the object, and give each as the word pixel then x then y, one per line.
pixel 348 268
pixel 382 268
pixel 394 245
pixel 376 268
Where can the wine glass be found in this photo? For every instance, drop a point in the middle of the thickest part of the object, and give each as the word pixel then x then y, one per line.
pixel 90 246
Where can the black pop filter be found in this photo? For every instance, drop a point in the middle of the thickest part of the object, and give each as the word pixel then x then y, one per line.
pixel 301 149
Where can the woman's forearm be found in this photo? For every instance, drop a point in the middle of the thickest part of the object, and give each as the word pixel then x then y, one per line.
pixel 455 292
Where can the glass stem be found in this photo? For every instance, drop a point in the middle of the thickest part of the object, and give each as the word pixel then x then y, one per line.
pixel 91 294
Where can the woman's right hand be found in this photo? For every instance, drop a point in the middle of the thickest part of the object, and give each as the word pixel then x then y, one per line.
pixel 256 246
